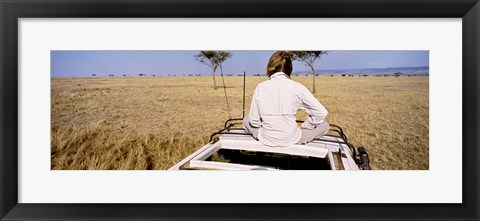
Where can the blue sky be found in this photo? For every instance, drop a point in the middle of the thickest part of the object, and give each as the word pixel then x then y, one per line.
pixel 103 63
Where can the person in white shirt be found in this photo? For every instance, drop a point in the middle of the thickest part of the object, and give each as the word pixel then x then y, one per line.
pixel 274 104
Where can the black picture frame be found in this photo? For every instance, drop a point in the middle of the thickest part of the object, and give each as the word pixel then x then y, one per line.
pixel 11 11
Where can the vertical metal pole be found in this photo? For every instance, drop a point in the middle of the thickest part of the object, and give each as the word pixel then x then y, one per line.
pixel 225 90
pixel 243 116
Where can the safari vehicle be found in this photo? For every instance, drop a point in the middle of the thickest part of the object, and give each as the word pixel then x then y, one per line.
pixel 233 148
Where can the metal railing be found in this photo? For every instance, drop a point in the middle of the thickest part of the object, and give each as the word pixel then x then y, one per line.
pixel 361 159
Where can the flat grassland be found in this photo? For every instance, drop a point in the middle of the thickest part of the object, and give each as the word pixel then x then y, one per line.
pixel 153 122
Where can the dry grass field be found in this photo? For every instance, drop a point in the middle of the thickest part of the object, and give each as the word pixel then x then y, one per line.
pixel 154 122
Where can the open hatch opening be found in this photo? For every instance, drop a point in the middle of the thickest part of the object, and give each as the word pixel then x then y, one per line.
pixel 272 160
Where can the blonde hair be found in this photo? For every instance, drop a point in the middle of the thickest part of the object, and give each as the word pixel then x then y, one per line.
pixel 280 61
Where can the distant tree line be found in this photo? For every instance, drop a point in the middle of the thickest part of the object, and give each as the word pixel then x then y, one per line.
pixel 396 74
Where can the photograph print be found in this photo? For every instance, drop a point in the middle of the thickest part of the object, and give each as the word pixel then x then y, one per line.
pixel 239 110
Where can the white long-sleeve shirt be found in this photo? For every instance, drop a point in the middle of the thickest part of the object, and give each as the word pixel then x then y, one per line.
pixel 274 105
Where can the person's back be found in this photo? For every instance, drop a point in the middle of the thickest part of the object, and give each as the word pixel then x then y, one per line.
pixel 277 106
pixel 274 105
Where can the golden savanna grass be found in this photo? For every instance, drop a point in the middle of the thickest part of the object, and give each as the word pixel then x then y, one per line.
pixel 154 122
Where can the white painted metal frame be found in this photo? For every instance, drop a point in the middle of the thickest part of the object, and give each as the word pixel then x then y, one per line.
pixel 316 148
pixel 347 161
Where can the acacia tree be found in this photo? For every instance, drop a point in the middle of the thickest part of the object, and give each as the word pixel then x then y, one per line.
pixel 213 59
pixel 308 58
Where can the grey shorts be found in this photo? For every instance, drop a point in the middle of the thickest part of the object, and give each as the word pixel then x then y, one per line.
pixel 307 135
